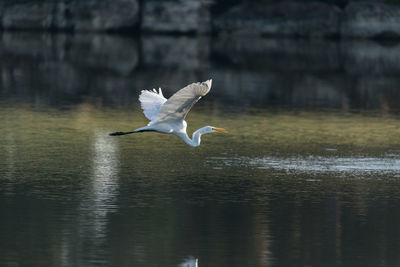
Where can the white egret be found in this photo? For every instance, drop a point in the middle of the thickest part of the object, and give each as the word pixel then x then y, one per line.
pixel 168 116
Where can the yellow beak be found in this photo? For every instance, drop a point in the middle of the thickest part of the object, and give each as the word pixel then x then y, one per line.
pixel 220 130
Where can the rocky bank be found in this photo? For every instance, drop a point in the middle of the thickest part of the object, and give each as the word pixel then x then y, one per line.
pixel 359 19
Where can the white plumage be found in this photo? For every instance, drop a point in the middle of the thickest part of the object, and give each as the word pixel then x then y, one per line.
pixel 151 102
pixel 178 105
pixel 168 116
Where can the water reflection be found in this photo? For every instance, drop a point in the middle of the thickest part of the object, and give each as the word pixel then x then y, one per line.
pixel 263 72
pixel 271 193
pixel 100 200
pixel 179 53
pixel 369 57
pixel 190 262
pixel 8 148
pixel 10 158
pixel 104 184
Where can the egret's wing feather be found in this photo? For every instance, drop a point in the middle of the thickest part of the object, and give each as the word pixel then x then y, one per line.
pixel 151 103
pixel 178 105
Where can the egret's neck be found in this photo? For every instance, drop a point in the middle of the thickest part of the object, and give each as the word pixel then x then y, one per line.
pixel 196 137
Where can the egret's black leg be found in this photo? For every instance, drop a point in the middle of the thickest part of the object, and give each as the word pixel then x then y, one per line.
pixel 121 133
pixel 131 132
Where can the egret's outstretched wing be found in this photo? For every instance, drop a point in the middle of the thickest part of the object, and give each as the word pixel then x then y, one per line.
pixel 151 103
pixel 178 105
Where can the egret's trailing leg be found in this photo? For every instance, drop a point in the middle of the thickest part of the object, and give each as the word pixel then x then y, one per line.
pixel 139 130
pixel 121 133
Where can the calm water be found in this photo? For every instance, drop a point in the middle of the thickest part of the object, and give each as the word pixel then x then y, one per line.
pixel 309 174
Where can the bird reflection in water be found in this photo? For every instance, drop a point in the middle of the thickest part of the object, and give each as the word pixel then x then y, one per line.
pixel 190 262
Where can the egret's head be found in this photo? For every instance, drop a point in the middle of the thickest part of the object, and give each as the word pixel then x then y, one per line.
pixel 216 129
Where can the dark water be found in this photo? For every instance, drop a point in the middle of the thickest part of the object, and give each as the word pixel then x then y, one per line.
pixel 309 174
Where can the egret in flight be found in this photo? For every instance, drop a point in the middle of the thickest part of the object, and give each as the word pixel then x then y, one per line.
pixel 168 116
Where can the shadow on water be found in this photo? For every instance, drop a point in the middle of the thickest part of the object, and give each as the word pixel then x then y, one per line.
pixel 307 176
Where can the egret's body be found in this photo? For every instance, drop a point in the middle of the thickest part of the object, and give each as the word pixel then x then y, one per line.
pixel 168 116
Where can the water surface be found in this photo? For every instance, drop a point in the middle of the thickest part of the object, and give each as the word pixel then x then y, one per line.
pixel 307 176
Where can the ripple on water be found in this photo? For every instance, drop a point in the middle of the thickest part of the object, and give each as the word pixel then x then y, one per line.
pixel 315 164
